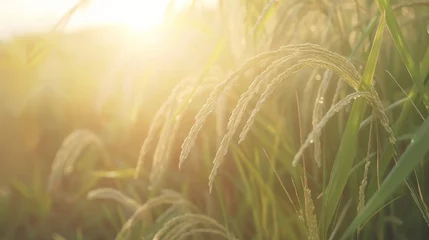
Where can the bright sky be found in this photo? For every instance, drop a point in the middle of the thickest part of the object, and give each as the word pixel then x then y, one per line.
pixel 18 16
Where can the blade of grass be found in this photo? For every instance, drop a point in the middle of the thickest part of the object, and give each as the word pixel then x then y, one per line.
pixel 408 161
pixel 401 45
pixel 398 127
pixel 347 150
pixel 413 95
pixel 424 64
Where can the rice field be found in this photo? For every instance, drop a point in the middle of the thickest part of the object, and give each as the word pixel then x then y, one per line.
pixel 263 119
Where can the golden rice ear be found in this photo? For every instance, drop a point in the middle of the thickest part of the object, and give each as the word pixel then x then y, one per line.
pixel 70 150
pixel 331 112
pixel 318 114
pixel 157 124
pixel 166 197
pixel 110 193
pixel 167 123
pixel 190 224
pixel 336 108
pixel 216 95
pixel 281 63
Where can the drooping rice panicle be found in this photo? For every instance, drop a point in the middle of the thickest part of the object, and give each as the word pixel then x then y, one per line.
pixel 217 94
pixel 110 193
pixel 166 197
pixel 70 150
pixel 331 112
pixel 156 125
pixel 196 219
pixel 318 114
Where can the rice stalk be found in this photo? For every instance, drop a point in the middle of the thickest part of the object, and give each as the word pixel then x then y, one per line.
pixel 167 197
pixel 172 123
pixel 110 193
pixel 221 119
pixel 318 114
pixel 306 55
pixel 262 16
pixel 176 231
pixel 156 125
pixel 238 113
pixel 182 222
pixel 231 128
pixel 166 137
pixel 184 235
pixel 161 158
pixel 216 95
pixel 372 96
pixel 314 56
pixel 362 187
pixel 310 216
pixel 254 87
pixel 172 211
pixel 340 86
pixel 70 150
pixel 331 112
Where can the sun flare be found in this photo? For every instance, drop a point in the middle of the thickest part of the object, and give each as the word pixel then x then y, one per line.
pixel 133 14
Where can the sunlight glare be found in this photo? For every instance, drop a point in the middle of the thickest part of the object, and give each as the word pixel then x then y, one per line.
pixel 133 14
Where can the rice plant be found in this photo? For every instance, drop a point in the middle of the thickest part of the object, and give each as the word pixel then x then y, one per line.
pixel 248 120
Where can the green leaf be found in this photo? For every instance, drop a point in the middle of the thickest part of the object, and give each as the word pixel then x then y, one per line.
pixel 401 45
pixel 424 64
pixel 347 151
pixel 408 161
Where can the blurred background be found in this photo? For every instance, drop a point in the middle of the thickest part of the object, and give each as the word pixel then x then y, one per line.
pixel 23 16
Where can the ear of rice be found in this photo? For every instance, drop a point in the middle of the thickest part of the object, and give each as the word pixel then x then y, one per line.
pixel 238 113
pixel 70 150
pixel 176 231
pixel 371 96
pixel 362 187
pixel 314 56
pixel 185 235
pixel 318 114
pixel 285 61
pixel 164 141
pixel 173 211
pixel 167 197
pixel 190 220
pixel 217 94
pixel 110 193
pixel 232 127
pixel 169 131
pixel 157 124
pixel 331 112
pixel 340 86
pixel 310 216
